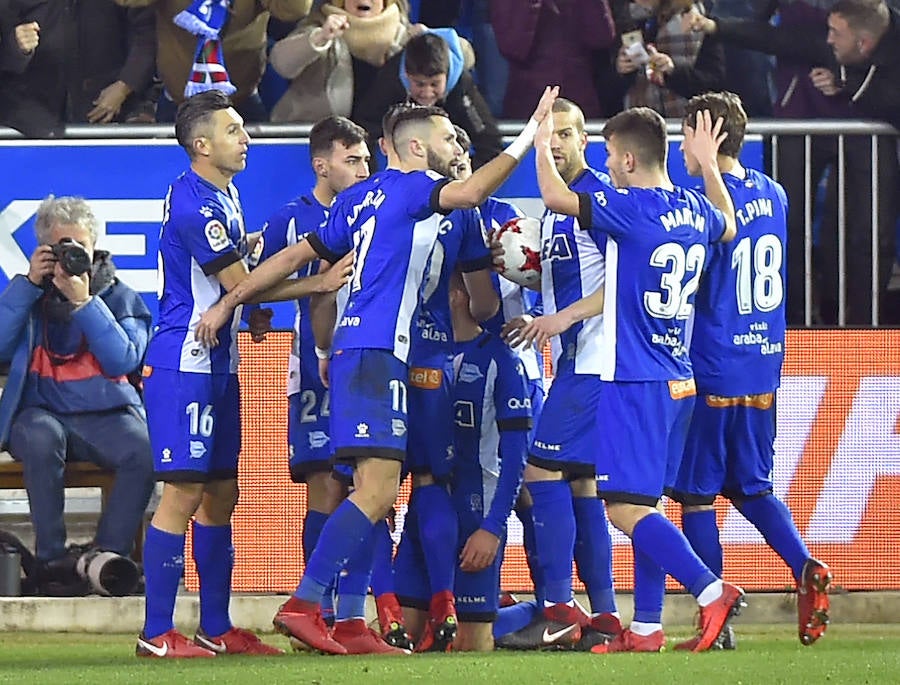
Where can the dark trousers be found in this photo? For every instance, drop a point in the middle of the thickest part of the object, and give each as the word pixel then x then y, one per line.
pixel 115 440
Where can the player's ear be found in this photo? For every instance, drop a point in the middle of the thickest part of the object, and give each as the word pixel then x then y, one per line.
pixel 418 148
pixel 200 146
pixel 320 166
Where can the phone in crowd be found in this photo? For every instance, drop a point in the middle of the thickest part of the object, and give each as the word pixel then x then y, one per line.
pixel 633 42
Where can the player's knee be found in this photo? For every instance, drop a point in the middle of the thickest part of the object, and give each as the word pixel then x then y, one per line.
pixel 218 503
pixel 584 487
pixel 177 505
pixel 534 474
pixel 625 516
pixel 324 493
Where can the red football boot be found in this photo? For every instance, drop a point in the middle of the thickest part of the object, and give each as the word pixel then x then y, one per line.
pixel 813 601
pixel 170 645
pixel 303 623
pixel 236 641
pixel 626 641
pixel 357 638
pixel 712 618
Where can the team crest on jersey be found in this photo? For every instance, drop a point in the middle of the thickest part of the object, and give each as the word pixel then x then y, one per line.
pixel 469 373
pixel 216 236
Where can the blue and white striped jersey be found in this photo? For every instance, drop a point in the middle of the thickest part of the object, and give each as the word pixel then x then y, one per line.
pixel 738 336
pixel 656 245
pixel 202 233
pixel 288 226
pixel 572 267
pixel 514 299
pixel 490 397
pixel 391 222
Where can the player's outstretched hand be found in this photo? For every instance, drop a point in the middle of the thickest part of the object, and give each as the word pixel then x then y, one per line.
pixel 260 322
pixel 336 275
pixel 541 328
pixel 211 321
pixel 544 133
pixel 545 104
pixel 704 139
pixel 512 330
pixel 479 552
pixel 497 251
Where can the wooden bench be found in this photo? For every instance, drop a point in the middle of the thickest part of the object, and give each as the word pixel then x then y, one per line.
pixel 77 475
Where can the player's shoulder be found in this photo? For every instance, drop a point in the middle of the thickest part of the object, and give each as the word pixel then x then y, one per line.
pixel 589 180
pixel 192 198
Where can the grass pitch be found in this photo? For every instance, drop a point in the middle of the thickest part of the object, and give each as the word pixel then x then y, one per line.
pixel 848 654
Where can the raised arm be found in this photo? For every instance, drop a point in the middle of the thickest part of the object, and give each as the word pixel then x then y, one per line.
pixel 703 140
pixel 557 196
pixel 484 181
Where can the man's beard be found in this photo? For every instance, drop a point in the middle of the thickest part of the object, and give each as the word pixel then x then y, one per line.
pixel 435 163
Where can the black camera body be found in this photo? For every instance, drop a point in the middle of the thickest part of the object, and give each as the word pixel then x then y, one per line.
pixel 72 257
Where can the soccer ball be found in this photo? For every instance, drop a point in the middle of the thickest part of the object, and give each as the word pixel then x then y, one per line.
pixel 521 242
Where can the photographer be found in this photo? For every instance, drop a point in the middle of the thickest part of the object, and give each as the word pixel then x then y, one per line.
pixel 72 334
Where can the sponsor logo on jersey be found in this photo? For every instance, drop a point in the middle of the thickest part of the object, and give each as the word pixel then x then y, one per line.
pixel 681 389
pixel 425 378
pixel 216 236
pixel 763 401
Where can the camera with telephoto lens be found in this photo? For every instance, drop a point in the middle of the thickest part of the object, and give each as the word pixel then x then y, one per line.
pixel 72 257
pixel 109 573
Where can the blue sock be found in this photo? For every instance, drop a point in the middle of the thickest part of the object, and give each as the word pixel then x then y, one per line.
pixel 524 514
pixel 649 588
pixel 346 529
pixel 593 553
pixel 554 533
pixel 702 531
pixel 658 538
pixel 516 617
pixel 312 529
pixel 214 555
pixel 353 581
pixel 774 521
pixel 383 569
pixel 163 569
pixel 438 535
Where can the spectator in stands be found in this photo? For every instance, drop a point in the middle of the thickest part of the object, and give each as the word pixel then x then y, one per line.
pixel 844 62
pixel 471 18
pixel 334 55
pixel 64 62
pixel 74 335
pixel 552 42
pixel 677 63
pixel 434 69
pixel 243 44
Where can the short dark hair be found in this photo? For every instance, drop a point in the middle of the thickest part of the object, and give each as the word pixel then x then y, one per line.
pixel 326 131
pixel 462 137
pixel 411 117
pixel 195 112
pixel 864 15
pixel 389 120
pixel 565 105
pixel 726 106
pixel 427 55
pixel 643 133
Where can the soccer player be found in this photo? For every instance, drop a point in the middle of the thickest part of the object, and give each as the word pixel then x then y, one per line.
pixel 191 391
pixel 515 301
pixel 569 519
pixel 656 243
pixel 340 158
pixel 493 419
pixel 460 246
pixel 390 223
pixel 737 351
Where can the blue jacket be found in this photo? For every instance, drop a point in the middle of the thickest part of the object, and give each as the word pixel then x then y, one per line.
pixel 115 329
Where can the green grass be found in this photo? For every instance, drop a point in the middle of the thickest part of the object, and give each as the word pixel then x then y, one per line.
pixel 848 654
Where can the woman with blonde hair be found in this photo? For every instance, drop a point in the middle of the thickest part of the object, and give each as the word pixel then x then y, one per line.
pixel 334 54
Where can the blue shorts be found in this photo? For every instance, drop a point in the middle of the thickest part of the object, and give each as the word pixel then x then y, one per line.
pixel 729 450
pixel 309 428
pixel 566 438
pixel 642 429
pixel 194 420
pixel 477 594
pixel 368 405
pixel 430 447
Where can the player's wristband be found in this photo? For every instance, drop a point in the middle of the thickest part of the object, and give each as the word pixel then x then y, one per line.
pixel 523 142
pixel 323 354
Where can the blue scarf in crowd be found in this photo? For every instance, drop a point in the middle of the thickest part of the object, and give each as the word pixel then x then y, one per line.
pixel 206 19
